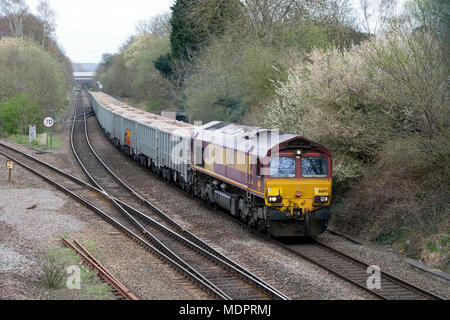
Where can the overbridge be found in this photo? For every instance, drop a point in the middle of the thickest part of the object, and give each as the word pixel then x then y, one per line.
pixel 83 78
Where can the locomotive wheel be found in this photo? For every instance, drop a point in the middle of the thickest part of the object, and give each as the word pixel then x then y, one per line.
pixel 210 202
pixel 261 226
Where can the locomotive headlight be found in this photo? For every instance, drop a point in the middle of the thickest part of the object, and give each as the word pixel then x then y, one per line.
pixel 278 199
pixel 321 199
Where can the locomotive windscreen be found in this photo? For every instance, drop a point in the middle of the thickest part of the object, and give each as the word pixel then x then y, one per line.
pixel 314 167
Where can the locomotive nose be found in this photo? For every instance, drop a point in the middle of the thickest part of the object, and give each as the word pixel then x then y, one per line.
pixel 297 193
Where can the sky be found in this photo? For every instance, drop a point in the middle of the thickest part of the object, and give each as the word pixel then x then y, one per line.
pixel 86 29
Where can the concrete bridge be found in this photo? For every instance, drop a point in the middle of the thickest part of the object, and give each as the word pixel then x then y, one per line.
pixel 83 78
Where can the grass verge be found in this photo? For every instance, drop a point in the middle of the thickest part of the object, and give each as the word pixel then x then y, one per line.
pixel 56 262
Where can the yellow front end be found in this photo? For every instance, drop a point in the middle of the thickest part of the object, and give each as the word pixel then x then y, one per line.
pixel 298 194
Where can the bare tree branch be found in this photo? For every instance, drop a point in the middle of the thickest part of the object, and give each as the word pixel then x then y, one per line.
pixel 158 26
pixel 48 17
pixel 14 12
pixel 377 13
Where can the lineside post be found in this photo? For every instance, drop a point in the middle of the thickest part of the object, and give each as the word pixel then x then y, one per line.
pixel 9 165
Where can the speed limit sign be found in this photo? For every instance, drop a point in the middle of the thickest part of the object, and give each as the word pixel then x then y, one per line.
pixel 49 122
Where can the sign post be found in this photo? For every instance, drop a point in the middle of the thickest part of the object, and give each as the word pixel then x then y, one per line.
pixel 32 133
pixel 49 122
pixel 9 165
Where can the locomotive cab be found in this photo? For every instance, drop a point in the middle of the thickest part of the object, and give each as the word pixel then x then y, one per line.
pixel 298 186
pixel 277 183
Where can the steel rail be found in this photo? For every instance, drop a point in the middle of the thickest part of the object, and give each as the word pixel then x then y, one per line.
pixel 336 262
pixel 94 260
pixel 143 243
pixel 102 272
pixel 234 267
pixel 129 217
pixel 204 282
pixel 84 184
pixel 385 275
pixel 188 236
pixel 147 246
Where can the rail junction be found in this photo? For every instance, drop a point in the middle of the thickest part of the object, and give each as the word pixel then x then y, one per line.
pixel 130 212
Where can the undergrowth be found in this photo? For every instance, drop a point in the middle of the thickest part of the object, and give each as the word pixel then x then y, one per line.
pixel 402 201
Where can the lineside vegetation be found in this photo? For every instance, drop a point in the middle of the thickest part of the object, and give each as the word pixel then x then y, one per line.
pixel 35 74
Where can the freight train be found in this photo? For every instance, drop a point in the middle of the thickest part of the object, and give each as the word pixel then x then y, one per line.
pixel 279 184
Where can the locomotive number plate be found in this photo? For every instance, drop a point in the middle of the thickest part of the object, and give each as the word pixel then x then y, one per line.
pixel 321 192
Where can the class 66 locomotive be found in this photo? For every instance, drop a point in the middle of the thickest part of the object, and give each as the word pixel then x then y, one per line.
pixel 279 184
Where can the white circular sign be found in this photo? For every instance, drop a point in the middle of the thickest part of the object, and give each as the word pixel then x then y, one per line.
pixel 49 122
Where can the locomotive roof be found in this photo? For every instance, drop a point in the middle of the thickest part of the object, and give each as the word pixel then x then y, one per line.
pixel 254 140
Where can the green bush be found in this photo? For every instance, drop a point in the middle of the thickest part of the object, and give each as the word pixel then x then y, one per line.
pixel 55 263
pixel 232 75
pixel 17 113
pixel 25 68
pixel 402 201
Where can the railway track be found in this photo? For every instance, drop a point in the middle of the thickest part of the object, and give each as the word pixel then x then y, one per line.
pixel 393 288
pixel 160 225
pixel 227 277
pixel 120 291
pixel 95 200
pixel 344 266
pixel 107 207
pixel 356 272
pixel 350 269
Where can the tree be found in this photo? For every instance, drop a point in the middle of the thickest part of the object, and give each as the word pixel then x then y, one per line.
pixel 195 21
pixel 48 17
pixel 377 13
pixel 26 68
pixel 432 16
pixel 14 12
pixel 18 113
pixel 269 17
pixel 17 22
pixel 193 24
pixel 264 15
pixel 131 73
pixel 107 60
pixel 158 26
pixel 332 12
pixel 391 86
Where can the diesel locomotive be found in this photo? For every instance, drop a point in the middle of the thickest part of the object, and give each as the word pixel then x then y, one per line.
pixel 277 183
